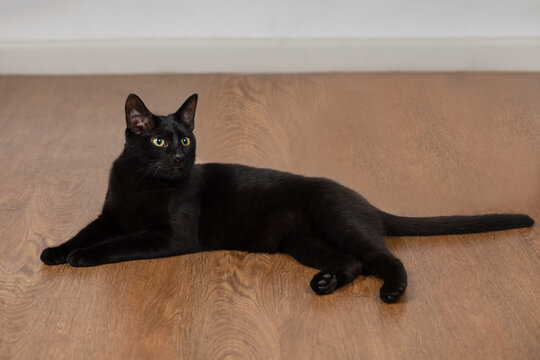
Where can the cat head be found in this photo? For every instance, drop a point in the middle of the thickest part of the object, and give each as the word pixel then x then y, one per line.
pixel 162 147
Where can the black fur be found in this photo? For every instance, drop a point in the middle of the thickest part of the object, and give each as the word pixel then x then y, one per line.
pixel 160 204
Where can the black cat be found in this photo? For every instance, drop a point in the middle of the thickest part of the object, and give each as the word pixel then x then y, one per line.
pixel 160 204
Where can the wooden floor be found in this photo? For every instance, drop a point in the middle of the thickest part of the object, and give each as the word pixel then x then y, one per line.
pixel 412 144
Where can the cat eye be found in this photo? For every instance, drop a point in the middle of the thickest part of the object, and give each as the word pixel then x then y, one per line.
pixel 159 142
pixel 185 141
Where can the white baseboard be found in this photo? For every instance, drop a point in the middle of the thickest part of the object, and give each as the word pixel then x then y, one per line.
pixel 268 56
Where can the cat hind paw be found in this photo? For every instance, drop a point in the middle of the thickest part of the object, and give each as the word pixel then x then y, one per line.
pixel 392 293
pixel 324 283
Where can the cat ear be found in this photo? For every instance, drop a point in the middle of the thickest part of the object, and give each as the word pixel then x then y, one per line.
pixel 186 113
pixel 138 118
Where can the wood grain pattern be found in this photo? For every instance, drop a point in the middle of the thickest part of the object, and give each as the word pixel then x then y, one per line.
pixel 413 144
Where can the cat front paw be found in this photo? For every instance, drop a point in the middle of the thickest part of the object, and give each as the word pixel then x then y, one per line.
pixel 53 256
pixel 82 258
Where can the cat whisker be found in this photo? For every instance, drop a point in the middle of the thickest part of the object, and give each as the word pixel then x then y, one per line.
pixel 147 171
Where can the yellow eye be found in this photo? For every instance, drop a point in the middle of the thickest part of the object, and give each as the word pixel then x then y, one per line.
pixel 185 141
pixel 159 142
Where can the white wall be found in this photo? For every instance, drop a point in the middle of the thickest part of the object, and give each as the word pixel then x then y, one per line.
pixel 281 19
pixel 53 29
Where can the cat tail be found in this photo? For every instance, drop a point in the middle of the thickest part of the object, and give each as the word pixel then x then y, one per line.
pixel 450 225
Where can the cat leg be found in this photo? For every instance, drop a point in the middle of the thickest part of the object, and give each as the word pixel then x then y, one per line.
pixel 142 245
pixel 380 262
pixel 369 246
pixel 337 268
pixel 351 225
pixel 95 232
pixel 389 268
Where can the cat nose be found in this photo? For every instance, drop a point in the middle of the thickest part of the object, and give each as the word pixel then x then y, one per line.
pixel 178 157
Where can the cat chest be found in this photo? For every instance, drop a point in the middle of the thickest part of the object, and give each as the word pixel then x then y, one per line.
pixel 141 211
